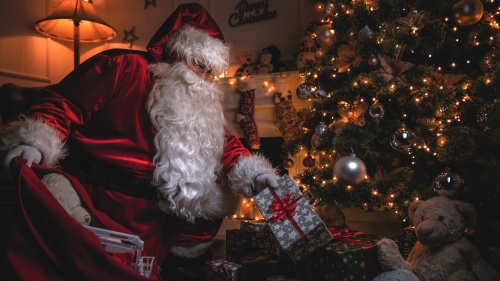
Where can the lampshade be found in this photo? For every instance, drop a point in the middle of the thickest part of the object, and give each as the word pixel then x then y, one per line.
pixel 77 21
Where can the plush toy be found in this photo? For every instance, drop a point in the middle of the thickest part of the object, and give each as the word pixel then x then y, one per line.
pixel 249 62
pixel 265 65
pixel 66 195
pixel 441 251
pixel 277 64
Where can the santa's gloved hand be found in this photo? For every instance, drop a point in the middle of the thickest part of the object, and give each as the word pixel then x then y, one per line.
pixel 29 153
pixel 265 180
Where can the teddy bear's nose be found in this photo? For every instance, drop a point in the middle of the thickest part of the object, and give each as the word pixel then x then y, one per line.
pixel 425 230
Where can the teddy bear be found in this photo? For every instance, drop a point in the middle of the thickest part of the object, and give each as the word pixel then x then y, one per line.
pixel 275 61
pixel 265 65
pixel 249 62
pixel 441 251
pixel 65 194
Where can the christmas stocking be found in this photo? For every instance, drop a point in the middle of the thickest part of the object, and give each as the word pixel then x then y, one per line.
pixel 285 111
pixel 245 116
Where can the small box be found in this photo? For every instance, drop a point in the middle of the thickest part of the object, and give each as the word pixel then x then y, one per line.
pixel 223 270
pixel 297 227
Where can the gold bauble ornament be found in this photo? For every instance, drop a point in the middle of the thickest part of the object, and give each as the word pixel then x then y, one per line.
pixel 467 12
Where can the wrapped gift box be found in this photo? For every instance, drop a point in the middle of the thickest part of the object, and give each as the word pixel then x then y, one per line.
pixel 254 225
pixel 251 246
pixel 350 256
pixel 223 270
pixel 296 225
pixel 406 240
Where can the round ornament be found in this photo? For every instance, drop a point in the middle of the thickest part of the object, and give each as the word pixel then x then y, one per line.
pixel 330 9
pixel 490 62
pixel 316 142
pixel 325 35
pixel 349 170
pixel 401 139
pixel 304 91
pixel 373 60
pixel 488 116
pixel 288 163
pixel 321 130
pixel 308 161
pixel 467 12
pixel 447 183
pixel 318 93
pixel 365 35
pixel 376 111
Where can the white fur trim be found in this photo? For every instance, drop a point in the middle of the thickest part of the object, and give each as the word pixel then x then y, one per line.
pixel 241 177
pixel 197 47
pixel 191 252
pixel 35 133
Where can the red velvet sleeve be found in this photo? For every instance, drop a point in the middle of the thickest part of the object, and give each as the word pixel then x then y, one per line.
pixel 233 150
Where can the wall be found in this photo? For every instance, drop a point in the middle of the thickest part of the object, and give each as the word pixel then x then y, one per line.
pixel 27 58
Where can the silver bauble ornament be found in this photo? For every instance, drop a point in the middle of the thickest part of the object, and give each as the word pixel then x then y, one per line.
pixel 318 93
pixel 288 163
pixel 448 183
pixel 321 130
pixel 304 91
pixel 325 35
pixel 490 62
pixel 376 111
pixel 349 170
pixel 467 12
pixel 365 35
pixel 330 9
pixel 401 139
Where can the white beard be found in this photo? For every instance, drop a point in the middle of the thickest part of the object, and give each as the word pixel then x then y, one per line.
pixel 189 120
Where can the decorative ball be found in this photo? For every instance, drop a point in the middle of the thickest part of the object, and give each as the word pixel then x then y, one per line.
pixel 488 116
pixel 376 111
pixel 330 9
pixel 350 170
pixel 316 142
pixel 401 139
pixel 318 93
pixel 447 183
pixel 325 35
pixel 373 60
pixel 467 12
pixel 365 35
pixel 304 91
pixel 308 161
pixel 288 163
pixel 490 62
pixel 321 130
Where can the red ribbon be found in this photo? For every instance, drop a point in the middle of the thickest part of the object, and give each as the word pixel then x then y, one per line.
pixel 285 208
pixel 344 235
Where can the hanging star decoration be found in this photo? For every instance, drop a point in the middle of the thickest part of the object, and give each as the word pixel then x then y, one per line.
pixel 349 113
pixel 447 80
pixel 392 69
pixel 149 2
pixel 414 21
pixel 130 37
pixel 348 55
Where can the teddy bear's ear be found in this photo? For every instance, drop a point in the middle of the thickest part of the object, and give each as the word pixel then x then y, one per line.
pixel 413 207
pixel 468 211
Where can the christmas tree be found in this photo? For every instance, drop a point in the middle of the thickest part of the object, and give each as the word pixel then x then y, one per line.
pixel 405 105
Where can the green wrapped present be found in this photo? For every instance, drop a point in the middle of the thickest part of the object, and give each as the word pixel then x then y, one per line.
pixel 351 256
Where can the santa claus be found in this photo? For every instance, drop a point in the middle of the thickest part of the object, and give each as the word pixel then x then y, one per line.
pixel 142 137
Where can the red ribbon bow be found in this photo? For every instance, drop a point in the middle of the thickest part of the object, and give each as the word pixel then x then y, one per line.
pixel 284 208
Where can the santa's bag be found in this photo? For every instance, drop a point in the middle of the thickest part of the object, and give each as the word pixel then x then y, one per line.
pixel 42 242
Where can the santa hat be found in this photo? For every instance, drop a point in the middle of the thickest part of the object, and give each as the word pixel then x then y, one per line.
pixel 193 36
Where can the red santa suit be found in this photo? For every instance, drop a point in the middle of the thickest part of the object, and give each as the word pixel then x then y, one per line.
pixel 101 126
